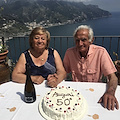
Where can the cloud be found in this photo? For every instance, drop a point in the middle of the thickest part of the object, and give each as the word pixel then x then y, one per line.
pixel 109 5
pixel 85 0
pixel 79 0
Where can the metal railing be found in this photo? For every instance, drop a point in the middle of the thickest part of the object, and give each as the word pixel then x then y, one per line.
pixel 17 45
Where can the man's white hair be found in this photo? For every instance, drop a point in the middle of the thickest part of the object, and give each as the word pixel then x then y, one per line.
pixel 90 35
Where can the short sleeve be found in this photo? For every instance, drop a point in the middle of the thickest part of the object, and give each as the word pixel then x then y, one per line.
pixel 66 62
pixel 107 65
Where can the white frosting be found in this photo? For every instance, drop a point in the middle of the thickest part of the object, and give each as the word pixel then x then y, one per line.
pixel 64 103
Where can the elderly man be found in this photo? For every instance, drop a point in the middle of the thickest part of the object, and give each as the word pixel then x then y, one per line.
pixel 88 62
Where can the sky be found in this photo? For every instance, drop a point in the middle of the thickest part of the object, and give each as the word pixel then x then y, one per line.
pixel 109 5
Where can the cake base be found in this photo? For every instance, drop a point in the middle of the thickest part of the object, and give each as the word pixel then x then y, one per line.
pixel 42 112
pixel 48 118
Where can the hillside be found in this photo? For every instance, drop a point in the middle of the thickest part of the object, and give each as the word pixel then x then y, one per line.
pixel 23 15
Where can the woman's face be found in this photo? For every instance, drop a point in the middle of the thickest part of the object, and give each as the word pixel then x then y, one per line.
pixel 40 41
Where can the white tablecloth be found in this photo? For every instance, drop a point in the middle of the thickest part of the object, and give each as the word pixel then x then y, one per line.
pixel 13 107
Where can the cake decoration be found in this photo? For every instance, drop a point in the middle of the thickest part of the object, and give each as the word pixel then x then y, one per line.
pixel 63 103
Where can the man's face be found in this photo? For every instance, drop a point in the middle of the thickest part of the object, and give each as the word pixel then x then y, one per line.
pixel 82 41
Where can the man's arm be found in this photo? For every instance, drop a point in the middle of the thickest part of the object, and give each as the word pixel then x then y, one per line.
pixel 109 100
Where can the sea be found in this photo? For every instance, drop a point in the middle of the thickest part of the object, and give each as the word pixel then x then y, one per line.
pixel 107 26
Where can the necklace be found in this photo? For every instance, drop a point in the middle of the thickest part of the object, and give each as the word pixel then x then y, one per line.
pixel 42 59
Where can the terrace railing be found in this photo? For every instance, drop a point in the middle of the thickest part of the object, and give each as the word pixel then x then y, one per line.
pixel 17 45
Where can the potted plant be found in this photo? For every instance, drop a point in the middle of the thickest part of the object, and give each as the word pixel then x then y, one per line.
pixel 3 52
pixel 4 68
pixel 117 65
pixel 117 62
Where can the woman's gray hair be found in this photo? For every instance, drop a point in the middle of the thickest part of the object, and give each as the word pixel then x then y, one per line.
pixel 90 35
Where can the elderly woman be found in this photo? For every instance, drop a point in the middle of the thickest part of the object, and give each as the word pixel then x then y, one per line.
pixel 45 62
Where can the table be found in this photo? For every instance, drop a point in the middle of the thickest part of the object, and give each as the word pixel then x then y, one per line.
pixel 13 107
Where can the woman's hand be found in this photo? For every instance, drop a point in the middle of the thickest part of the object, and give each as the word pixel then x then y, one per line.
pixel 37 79
pixel 52 80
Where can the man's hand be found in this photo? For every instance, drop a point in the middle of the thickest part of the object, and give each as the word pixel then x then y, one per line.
pixel 52 80
pixel 109 101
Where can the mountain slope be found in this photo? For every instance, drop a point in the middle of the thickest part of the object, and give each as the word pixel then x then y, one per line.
pixel 21 12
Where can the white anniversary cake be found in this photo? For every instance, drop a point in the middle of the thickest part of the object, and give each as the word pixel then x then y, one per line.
pixel 63 103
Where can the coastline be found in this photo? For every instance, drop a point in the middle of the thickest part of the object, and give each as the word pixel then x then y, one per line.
pixel 23 34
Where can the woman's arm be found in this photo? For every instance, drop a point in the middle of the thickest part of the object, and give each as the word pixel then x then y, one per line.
pixel 55 79
pixel 18 74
